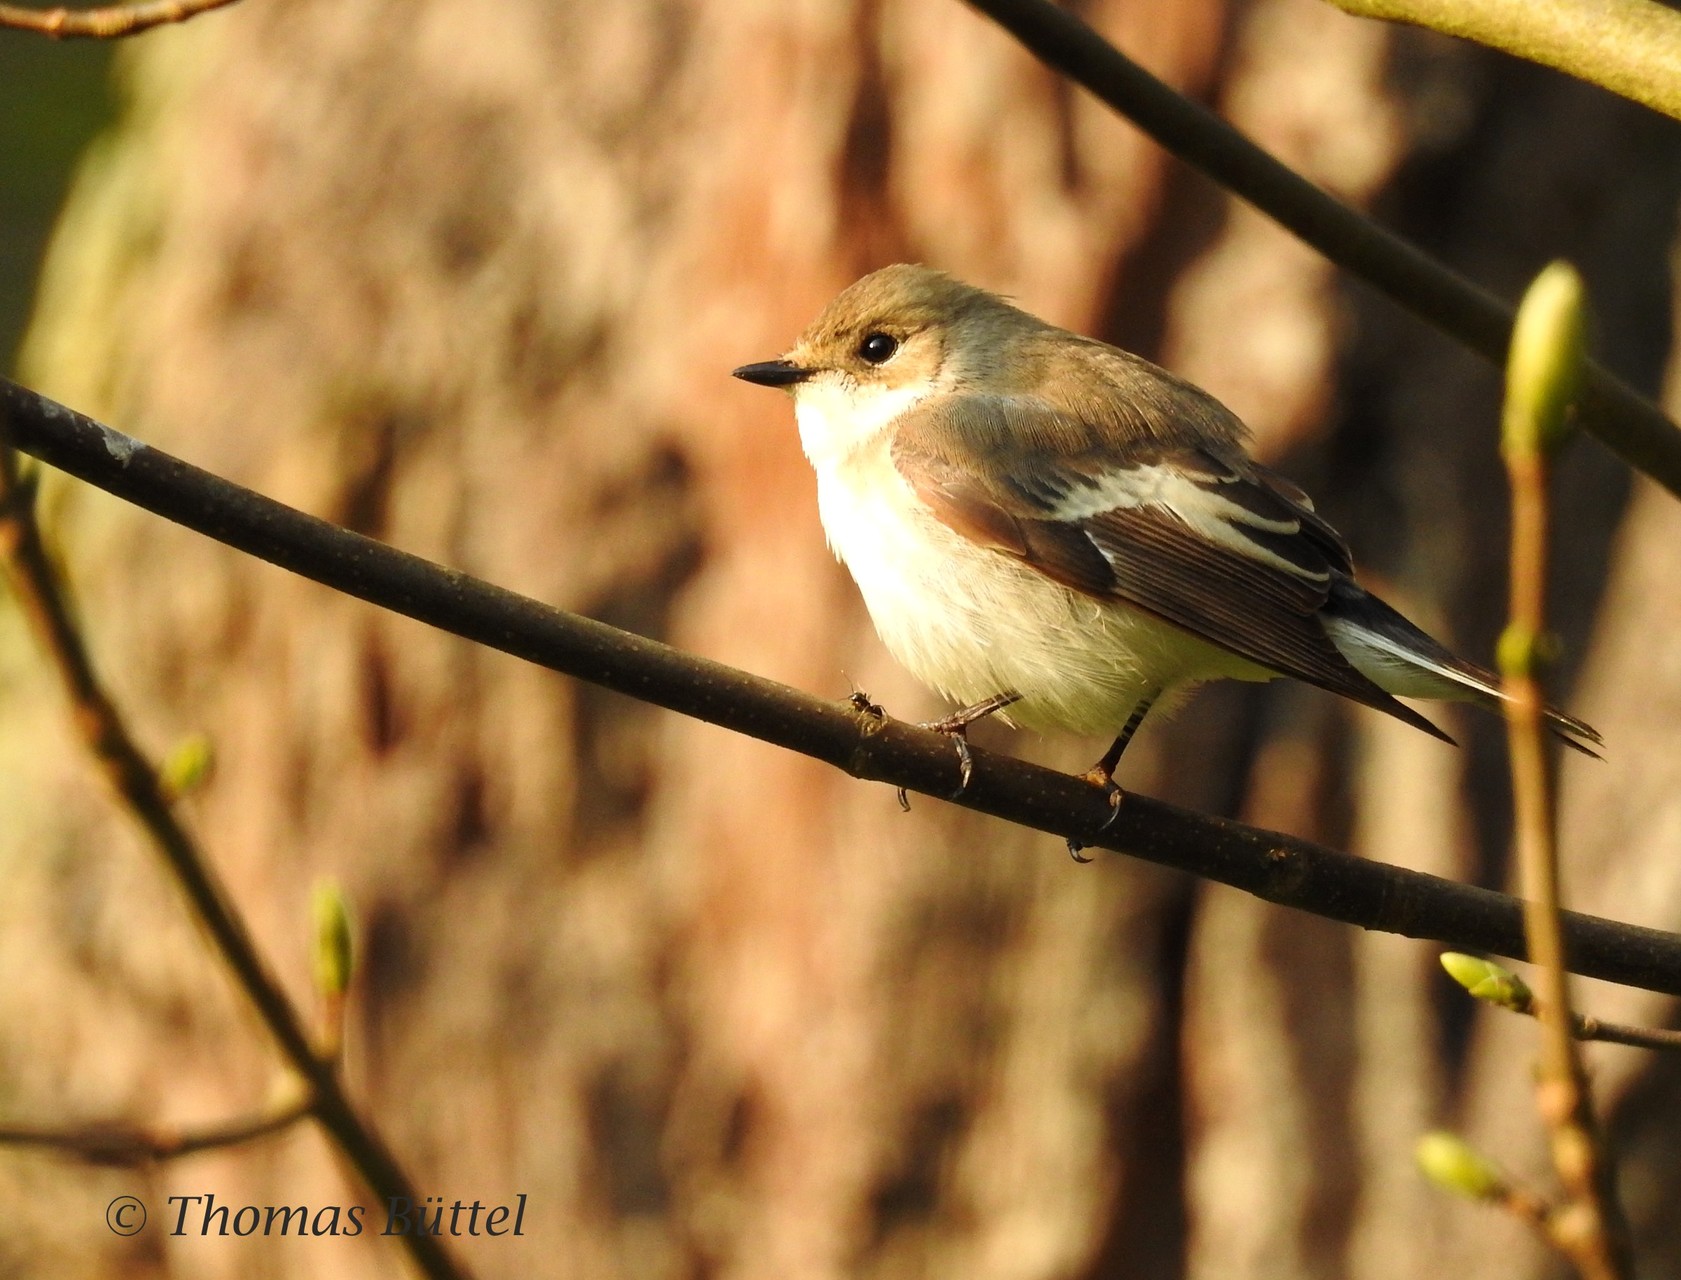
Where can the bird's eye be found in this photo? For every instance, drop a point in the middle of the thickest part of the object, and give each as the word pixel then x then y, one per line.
pixel 878 348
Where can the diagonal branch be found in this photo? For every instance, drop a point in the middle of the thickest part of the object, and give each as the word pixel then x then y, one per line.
pixel 1277 867
pixel 136 783
pixel 1631 426
pixel 108 23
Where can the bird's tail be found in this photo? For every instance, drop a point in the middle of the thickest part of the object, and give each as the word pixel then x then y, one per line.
pixel 1400 658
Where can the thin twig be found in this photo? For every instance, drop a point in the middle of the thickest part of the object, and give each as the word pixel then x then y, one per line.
pixel 121 1145
pixel 1280 868
pixel 1585 1027
pixel 1540 383
pixel 135 782
pixel 1631 47
pixel 1630 425
pixel 1497 985
pixel 108 23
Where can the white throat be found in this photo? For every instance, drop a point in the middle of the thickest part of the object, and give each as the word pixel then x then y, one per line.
pixel 837 415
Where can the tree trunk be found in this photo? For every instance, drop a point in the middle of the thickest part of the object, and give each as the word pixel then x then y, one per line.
pixel 469 277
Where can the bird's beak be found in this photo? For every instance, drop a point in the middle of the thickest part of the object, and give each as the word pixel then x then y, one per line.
pixel 773 373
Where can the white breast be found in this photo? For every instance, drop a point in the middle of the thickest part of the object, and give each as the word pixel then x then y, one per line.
pixel 837 416
pixel 973 622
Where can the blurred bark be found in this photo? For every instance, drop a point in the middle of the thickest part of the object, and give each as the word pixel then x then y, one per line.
pixel 469 277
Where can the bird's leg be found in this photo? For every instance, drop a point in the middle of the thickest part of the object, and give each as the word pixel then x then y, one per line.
pixel 958 722
pixel 956 727
pixel 1102 774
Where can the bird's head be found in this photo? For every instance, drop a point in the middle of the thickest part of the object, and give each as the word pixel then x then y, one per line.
pixel 883 345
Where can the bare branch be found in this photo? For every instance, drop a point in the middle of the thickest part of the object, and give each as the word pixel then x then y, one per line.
pixel 1277 867
pixel 1630 425
pixel 121 1145
pixel 1587 1027
pixel 136 784
pixel 1631 47
pixel 109 23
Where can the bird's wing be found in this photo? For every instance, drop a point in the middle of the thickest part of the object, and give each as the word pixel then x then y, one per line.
pixel 1194 533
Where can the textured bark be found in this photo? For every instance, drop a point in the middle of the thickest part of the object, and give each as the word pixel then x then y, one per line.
pixel 469 277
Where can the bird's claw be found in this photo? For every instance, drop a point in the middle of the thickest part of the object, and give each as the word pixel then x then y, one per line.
pixel 965 763
pixel 965 760
pixel 1103 780
pixel 957 729
pixel 954 726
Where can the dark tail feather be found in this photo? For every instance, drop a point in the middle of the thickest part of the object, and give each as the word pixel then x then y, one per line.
pixel 1576 734
pixel 1399 657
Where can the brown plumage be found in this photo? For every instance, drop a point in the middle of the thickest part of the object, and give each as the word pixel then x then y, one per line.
pixel 1030 511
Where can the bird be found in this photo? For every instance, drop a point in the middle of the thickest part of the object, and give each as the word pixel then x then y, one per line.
pixel 1054 530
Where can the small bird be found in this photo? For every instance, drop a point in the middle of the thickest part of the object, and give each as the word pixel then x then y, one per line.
pixel 1046 526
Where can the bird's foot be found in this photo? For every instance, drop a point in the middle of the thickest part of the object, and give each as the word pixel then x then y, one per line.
pixel 956 727
pixel 1104 781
